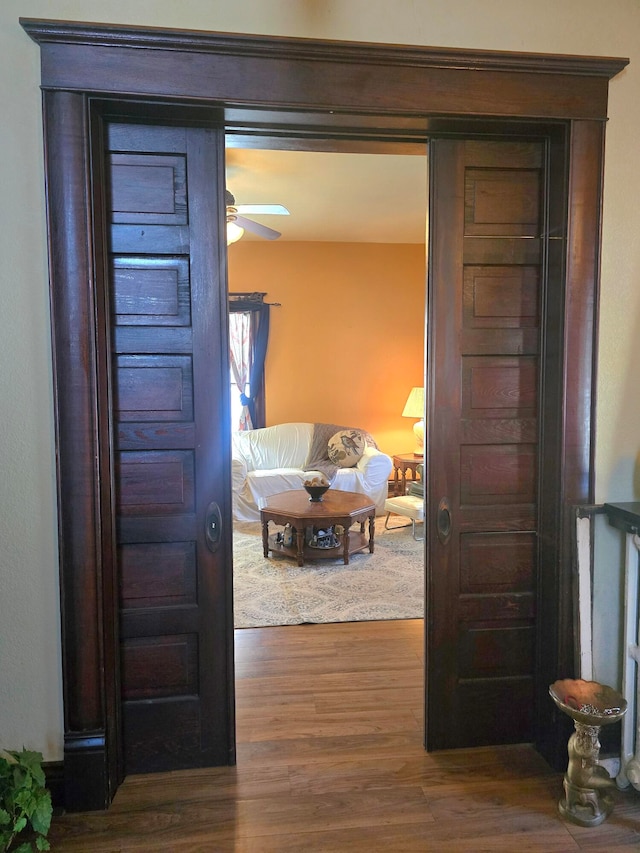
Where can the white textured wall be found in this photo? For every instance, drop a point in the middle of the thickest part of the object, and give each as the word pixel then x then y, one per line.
pixel 30 688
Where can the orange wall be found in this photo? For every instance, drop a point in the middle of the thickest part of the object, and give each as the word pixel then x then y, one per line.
pixel 347 344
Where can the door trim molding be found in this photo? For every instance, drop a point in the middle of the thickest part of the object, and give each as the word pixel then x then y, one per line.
pixel 292 87
pixel 332 77
pixel 288 48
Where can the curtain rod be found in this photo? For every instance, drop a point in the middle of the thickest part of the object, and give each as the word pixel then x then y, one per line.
pixel 254 298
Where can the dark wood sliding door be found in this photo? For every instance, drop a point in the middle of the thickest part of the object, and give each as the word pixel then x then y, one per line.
pixel 486 274
pixel 170 403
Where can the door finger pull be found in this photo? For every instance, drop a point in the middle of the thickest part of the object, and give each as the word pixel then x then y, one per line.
pixel 443 521
pixel 213 526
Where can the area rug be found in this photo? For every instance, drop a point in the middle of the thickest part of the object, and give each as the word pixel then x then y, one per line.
pixel 388 584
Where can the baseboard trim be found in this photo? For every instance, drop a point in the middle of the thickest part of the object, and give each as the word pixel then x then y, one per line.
pixel 79 782
pixel 54 775
pixel 86 778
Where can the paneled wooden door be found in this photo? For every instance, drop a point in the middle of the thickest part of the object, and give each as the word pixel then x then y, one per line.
pixel 169 369
pixel 486 261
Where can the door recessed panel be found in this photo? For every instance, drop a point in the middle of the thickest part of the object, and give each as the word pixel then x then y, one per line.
pixel 156 667
pixel 148 188
pixel 496 652
pixel 500 296
pixel 494 386
pixel 156 483
pixel 495 474
pixel 502 203
pixel 154 388
pixel 157 574
pixel 151 291
pixel 495 562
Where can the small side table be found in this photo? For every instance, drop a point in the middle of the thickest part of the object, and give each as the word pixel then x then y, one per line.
pixel 402 463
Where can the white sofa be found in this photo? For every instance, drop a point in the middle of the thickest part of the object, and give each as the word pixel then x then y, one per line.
pixel 271 460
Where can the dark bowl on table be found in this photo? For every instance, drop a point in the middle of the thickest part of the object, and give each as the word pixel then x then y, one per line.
pixel 316 492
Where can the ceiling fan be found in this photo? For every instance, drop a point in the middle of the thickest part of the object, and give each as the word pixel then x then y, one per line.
pixel 237 222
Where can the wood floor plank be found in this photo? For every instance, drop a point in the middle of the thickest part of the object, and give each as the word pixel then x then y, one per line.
pixel 322 750
pixel 337 662
pixel 360 700
pixel 333 725
pixel 262 687
pixel 619 832
pixel 302 814
pixel 416 768
pixel 415 838
pixel 331 760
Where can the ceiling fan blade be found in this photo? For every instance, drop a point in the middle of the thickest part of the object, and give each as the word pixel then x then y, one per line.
pixel 257 228
pixel 271 209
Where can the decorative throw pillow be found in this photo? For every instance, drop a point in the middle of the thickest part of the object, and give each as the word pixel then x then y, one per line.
pixel 346 448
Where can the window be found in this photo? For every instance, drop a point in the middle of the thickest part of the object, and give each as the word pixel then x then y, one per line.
pixel 240 361
pixel 248 339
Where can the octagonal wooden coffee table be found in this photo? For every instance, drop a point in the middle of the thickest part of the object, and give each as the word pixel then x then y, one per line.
pixel 336 509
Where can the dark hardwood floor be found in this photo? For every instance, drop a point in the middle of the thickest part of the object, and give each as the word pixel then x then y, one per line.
pixel 330 759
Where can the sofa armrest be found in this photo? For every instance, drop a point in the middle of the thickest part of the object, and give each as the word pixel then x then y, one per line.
pixel 375 467
pixel 238 474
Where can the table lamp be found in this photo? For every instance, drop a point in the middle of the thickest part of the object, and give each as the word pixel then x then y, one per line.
pixel 414 408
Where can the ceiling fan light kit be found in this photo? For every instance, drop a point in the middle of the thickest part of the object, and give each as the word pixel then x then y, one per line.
pixel 237 224
pixel 234 231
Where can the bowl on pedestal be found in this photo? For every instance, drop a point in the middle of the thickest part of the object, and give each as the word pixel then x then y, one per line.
pixel 590 705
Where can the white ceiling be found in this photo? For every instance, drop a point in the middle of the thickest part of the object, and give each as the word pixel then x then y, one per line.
pixel 335 197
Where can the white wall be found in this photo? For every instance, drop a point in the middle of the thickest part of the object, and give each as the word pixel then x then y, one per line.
pixel 30 684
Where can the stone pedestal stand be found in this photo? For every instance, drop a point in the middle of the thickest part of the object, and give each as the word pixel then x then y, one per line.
pixel 587 786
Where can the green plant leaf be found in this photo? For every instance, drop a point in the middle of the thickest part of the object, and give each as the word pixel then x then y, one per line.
pixel 32 761
pixel 26 800
pixel 21 778
pixel 41 815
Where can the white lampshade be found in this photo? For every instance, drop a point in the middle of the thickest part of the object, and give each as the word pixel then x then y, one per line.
pixel 414 408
